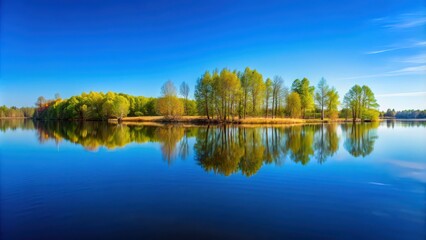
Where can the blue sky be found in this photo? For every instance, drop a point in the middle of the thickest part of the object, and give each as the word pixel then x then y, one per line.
pixel 72 46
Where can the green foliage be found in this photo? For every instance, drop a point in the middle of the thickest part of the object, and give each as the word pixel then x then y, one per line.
pixel 293 105
pixel 321 95
pixel 332 103
pixel 169 105
pixel 14 112
pixel 268 95
pixel 361 101
pixel 204 95
pixel 279 92
pixel 227 94
pixel 184 92
pixel 390 113
pixel 252 90
pixel 371 114
pixel 218 95
pixel 411 114
pixel 95 106
pixel 191 108
pixel 306 93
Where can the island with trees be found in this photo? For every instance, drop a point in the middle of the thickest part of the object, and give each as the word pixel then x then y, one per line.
pixel 223 96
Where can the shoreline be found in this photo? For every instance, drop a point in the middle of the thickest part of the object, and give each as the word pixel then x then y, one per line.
pixel 196 120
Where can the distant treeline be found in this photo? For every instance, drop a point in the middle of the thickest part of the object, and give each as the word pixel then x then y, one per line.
pixel 405 114
pixel 98 106
pixel 14 112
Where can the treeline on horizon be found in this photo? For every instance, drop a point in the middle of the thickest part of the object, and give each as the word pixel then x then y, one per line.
pixel 222 96
pixel 14 112
pixel 405 114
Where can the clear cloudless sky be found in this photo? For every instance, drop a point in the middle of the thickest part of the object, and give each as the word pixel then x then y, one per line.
pixel 73 46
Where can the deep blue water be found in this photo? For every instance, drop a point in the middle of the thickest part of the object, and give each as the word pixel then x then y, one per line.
pixel 99 181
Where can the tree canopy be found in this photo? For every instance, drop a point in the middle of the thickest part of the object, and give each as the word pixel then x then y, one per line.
pixel 362 103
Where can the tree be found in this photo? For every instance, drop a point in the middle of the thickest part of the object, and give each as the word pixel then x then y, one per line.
pixel 293 105
pixel 41 101
pixel 120 107
pixel 192 108
pixel 369 104
pixel 168 89
pixel 114 106
pixel 184 92
pixel 268 95
pixel 169 105
pixel 257 90
pixel 332 103
pixel 321 95
pixel 227 88
pixel 204 94
pixel 390 113
pixel 276 94
pixel 353 100
pixel 306 93
pixel 361 101
pixel 245 82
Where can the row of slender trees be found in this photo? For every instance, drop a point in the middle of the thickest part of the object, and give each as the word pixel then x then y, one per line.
pixel 228 94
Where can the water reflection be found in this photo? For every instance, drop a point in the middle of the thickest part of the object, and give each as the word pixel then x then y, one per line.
pixel 360 138
pixel 326 142
pixel 227 150
pixel 220 149
pixel 14 124
pixel 391 123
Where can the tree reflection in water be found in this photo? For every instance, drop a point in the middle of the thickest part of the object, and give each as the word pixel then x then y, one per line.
pixel 226 150
pixel 13 124
pixel 360 138
pixel 326 142
pixel 221 149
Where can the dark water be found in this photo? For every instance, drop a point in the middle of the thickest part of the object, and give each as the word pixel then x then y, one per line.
pixel 100 181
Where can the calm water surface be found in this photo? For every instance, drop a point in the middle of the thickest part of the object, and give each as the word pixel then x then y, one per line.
pixel 100 181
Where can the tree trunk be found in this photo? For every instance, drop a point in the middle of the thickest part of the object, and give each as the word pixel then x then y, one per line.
pixel 266 110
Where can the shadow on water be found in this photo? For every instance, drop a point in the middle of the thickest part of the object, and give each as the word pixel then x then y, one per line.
pixel 221 149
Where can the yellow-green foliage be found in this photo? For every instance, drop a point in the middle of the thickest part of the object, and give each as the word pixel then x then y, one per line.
pixel 294 105
pixel 170 106
pixel 96 106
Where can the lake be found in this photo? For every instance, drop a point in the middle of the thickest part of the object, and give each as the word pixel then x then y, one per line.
pixel 95 180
